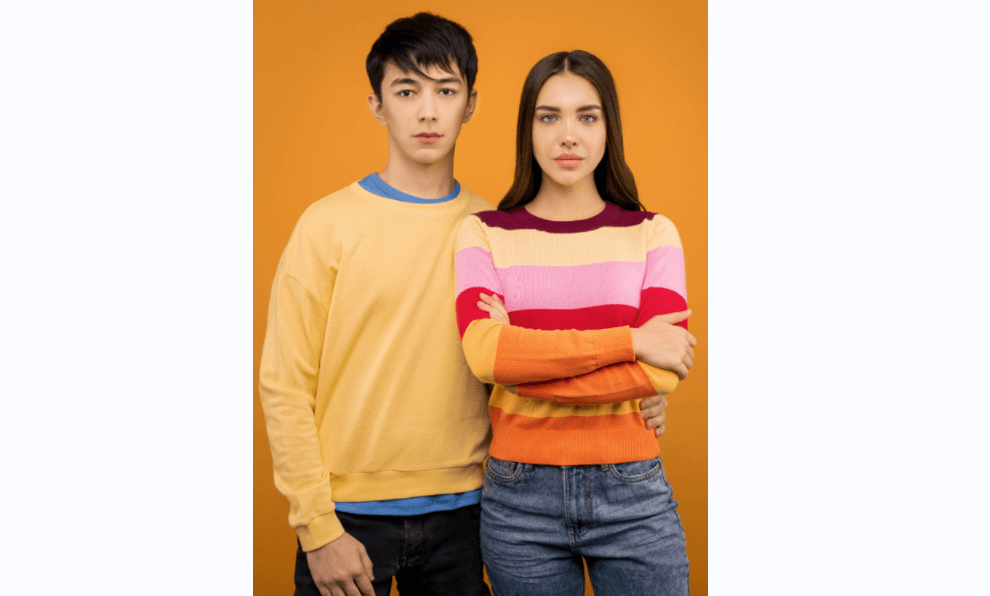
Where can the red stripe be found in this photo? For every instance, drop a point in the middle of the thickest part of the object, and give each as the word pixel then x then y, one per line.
pixel 467 307
pixel 605 316
pixel 660 301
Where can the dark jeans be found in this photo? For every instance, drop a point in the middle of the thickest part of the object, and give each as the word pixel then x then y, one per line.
pixel 435 554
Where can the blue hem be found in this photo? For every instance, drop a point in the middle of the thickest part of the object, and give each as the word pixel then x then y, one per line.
pixel 412 505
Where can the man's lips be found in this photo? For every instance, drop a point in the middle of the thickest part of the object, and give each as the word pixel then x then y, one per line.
pixel 428 137
pixel 568 160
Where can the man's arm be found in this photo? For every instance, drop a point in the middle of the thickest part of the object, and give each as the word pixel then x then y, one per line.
pixel 290 364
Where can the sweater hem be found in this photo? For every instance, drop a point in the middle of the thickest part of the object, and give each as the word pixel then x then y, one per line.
pixel 389 484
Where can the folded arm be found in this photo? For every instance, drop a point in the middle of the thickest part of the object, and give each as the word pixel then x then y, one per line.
pixel 656 340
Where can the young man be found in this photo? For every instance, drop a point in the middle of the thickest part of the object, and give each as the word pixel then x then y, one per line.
pixel 377 426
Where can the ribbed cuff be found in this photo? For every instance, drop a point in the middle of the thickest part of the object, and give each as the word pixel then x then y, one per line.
pixel 319 532
pixel 614 345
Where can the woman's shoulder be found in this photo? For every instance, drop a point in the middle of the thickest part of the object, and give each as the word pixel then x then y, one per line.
pixel 660 230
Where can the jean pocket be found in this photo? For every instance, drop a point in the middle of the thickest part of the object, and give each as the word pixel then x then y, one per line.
pixel 503 471
pixel 636 471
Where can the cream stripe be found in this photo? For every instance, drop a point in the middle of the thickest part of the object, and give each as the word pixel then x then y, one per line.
pixel 538 408
pixel 532 247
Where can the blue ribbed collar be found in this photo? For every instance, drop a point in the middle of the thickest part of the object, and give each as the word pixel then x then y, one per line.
pixel 375 185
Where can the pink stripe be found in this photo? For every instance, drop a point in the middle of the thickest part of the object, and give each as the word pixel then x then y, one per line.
pixel 474 268
pixel 574 286
pixel 665 269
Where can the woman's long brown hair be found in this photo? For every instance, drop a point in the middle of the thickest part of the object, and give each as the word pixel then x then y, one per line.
pixel 613 178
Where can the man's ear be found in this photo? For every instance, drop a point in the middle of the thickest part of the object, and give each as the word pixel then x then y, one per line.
pixel 377 109
pixel 471 105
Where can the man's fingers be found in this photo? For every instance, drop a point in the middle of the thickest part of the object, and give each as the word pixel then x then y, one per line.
pixel 656 421
pixel 650 402
pixel 349 588
pixel 681 370
pixel 485 307
pixel 690 352
pixel 660 430
pixel 688 362
pixel 364 585
pixel 691 340
pixel 367 564
pixel 650 413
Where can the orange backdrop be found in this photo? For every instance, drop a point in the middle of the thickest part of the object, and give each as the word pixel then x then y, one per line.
pixel 313 134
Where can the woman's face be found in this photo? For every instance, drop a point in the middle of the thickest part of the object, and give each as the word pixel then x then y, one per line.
pixel 568 129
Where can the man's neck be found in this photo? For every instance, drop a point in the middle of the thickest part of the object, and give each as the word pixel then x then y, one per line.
pixel 425 181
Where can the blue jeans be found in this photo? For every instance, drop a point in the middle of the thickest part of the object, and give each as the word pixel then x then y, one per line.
pixel 537 522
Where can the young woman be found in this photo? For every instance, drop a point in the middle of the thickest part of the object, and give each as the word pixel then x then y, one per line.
pixel 583 272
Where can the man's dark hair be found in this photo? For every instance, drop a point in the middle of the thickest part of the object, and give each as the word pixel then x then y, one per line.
pixel 422 40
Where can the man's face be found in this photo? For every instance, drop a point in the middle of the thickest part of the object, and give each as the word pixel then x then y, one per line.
pixel 423 115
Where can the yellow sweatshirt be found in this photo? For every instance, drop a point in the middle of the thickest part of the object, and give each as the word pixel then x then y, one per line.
pixel 366 391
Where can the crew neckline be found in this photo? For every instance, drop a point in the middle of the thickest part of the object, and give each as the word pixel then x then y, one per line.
pixel 602 218
pixel 374 184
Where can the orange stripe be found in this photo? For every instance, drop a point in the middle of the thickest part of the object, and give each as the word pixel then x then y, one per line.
pixel 529 355
pixel 607 385
pixel 571 440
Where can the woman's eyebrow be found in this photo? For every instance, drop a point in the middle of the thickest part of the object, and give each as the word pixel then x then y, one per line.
pixel 581 109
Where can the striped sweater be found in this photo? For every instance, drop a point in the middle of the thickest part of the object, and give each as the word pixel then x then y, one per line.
pixel 569 384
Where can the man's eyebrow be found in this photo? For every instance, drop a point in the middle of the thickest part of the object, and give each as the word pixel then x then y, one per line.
pixel 448 80
pixel 406 81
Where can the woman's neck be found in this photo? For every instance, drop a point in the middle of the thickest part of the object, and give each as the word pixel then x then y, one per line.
pixel 566 203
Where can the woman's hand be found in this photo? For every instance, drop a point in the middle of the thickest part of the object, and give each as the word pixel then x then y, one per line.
pixel 495 308
pixel 664 345
pixel 653 409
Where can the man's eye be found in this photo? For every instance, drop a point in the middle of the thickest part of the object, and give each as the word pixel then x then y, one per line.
pixel 405 93
pixel 446 91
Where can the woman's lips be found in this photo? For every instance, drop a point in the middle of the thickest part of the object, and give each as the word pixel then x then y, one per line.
pixel 428 137
pixel 568 160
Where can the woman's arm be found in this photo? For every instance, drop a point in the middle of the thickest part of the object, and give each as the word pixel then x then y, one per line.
pixel 663 296
pixel 509 355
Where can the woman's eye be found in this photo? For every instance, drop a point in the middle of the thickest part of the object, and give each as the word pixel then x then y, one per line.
pixel 589 118
pixel 547 118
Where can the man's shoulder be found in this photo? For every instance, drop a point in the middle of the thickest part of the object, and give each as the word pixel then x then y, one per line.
pixel 333 206
pixel 475 203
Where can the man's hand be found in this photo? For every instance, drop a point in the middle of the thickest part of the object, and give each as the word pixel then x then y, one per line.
pixel 653 410
pixel 662 344
pixel 342 568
